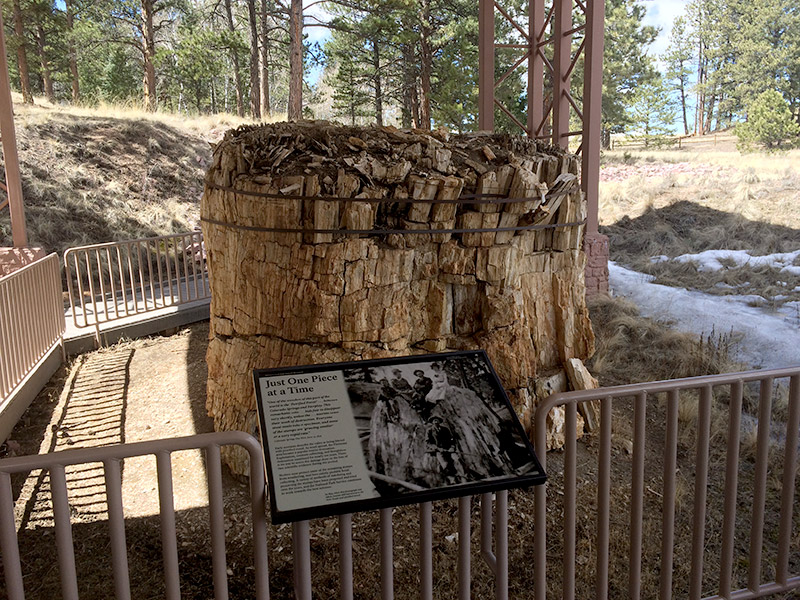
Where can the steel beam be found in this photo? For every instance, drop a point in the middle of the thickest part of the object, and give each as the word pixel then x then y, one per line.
pixel 19 236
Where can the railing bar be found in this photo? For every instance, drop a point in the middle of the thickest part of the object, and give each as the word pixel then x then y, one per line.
pixel 63 527
pixel 570 495
pixel 668 506
pixel 203 265
pixel 194 265
pixel 387 552
pixel 425 553
pixel 160 273
pixel 150 279
pixel 258 509
pixel 122 283
pixel 70 290
pixel 501 545
pixel 95 305
pixel 603 499
pixel 760 484
pixel 464 555
pixel 112 283
pixel 116 525
pixel 168 260
pixel 169 541
pixel 302 560
pixel 486 530
pixel 142 287
pixel 789 475
pixel 16 332
pixel 101 280
pixel 26 333
pixel 700 492
pixel 142 281
pixel 346 556
pixel 7 375
pixel 177 270
pixel 216 515
pixel 731 487
pixel 186 263
pixel 79 279
pixel 131 277
pixel 12 567
pixel 14 318
pixel 637 497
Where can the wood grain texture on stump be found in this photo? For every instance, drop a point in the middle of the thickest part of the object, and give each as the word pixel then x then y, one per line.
pixel 314 296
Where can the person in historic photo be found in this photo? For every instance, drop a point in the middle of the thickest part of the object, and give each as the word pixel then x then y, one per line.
pixel 441 447
pixel 400 384
pixel 440 384
pixel 422 386
pixel 395 435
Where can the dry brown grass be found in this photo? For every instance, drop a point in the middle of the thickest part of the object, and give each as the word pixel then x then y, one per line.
pixel 674 202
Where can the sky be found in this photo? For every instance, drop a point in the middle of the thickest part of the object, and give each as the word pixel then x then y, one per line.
pixel 662 13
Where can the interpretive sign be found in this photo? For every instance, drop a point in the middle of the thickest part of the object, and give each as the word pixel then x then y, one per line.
pixel 354 436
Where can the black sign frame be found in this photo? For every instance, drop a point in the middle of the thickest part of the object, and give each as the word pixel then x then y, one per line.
pixel 489 453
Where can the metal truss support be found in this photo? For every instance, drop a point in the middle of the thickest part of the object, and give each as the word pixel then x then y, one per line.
pixel 554 38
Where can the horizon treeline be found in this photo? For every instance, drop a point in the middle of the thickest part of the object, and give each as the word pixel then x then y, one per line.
pixel 412 63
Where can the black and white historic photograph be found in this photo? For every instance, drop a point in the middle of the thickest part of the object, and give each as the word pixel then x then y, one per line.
pixel 435 423
pixel 377 433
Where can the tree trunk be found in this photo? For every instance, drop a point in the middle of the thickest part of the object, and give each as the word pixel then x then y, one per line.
pixel 426 60
pixel 237 76
pixel 376 63
pixel 710 113
pixel 73 57
pixel 22 55
pixel 409 84
pixel 295 112
pixel 265 102
pixel 47 77
pixel 255 86
pixel 683 105
pixel 148 53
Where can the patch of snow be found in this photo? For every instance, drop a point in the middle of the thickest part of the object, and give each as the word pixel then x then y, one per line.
pixel 770 338
pixel 712 260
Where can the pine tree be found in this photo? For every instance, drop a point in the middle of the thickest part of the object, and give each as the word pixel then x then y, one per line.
pixel 652 112
pixel 678 59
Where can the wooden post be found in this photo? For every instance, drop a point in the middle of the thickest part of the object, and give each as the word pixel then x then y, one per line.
pixel 19 236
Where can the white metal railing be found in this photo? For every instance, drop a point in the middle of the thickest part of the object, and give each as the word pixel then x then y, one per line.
pixel 31 319
pixel 733 464
pixel 112 281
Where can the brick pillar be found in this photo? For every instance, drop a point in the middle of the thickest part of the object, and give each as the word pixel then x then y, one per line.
pixel 595 245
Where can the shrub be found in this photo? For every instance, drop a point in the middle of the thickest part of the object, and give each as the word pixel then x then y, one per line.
pixel 769 123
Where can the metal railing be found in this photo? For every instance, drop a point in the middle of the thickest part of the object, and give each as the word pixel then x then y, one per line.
pixel 111 458
pixel 31 319
pixel 493 550
pixel 112 281
pixel 493 525
pixel 720 444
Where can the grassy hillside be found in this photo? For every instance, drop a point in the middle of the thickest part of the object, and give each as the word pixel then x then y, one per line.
pixel 93 176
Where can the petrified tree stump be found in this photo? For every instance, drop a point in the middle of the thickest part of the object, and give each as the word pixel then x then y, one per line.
pixel 301 274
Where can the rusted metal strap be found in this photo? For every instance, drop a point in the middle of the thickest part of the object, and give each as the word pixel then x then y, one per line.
pixel 389 231
pixel 464 199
